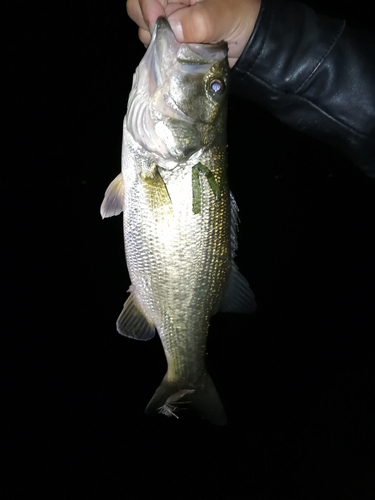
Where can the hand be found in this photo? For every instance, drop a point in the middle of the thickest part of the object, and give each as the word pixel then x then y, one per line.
pixel 199 21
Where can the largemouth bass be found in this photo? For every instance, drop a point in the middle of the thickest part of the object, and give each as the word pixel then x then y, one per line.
pixel 180 219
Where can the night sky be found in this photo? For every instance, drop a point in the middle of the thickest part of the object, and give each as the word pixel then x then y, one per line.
pixel 296 378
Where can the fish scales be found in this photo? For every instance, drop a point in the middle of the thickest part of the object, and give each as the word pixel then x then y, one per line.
pixel 178 214
pixel 179 298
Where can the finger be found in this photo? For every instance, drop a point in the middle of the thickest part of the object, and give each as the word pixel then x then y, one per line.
pixel 200 23
pixel 145 12
pixel 135 13
pixel 144 36
pixel 151 10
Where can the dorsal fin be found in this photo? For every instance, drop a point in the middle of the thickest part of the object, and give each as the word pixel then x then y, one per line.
pixel 238 297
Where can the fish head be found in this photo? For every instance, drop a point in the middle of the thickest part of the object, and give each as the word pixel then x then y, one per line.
pixel 178 102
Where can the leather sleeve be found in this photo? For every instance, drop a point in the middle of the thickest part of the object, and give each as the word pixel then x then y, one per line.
pixel 315 74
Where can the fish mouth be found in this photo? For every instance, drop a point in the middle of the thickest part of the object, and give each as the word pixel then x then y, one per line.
pixel 163 49
pixel 166 51
pixel 164 54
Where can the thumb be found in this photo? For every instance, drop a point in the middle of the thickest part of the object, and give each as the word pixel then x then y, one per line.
pixel 199 23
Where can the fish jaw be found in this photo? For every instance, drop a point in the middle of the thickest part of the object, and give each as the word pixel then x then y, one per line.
pixel 174 108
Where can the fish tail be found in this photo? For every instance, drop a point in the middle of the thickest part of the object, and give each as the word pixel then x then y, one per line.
pixel 170 397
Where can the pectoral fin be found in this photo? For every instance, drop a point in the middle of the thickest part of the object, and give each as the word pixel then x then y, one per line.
pixel 133 323
pixel 113 198
pixel 157 192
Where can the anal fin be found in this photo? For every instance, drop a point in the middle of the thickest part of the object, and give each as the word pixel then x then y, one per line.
pixel 133 323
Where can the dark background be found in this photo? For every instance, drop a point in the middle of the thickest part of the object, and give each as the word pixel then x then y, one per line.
pixel 296 378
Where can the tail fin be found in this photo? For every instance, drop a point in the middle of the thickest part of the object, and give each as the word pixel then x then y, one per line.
pixel 169 397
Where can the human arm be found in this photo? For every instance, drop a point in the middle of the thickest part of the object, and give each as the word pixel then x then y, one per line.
pixel 314 74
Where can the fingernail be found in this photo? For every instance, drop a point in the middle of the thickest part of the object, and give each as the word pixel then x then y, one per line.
pixel 177 29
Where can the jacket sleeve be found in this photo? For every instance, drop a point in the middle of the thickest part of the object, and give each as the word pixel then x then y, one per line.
pixel 315 74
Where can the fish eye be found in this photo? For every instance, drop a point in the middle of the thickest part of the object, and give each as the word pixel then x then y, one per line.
pixel 216 86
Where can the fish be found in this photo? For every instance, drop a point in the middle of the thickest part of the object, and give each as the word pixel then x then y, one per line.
pixel 180 219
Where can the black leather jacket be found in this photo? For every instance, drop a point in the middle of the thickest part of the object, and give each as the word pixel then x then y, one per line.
pixel 315 74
